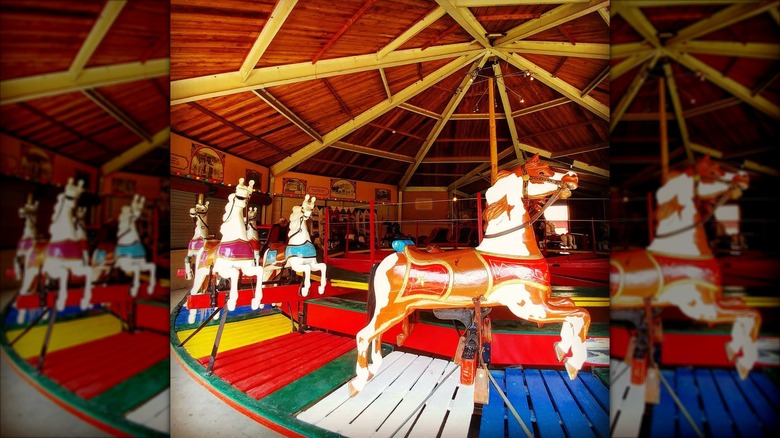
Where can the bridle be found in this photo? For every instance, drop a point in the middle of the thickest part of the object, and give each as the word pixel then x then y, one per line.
pixel 527 179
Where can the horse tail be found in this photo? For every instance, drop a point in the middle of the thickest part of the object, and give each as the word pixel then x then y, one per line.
pixel 371 299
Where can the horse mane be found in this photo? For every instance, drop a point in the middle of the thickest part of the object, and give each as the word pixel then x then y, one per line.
pixel 668 208
pixel 498 208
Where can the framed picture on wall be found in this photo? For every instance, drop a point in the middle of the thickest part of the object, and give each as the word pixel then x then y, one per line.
pixel 123 187
pixel 36 163
pixel 294 186
pixel 343 188
pixel 382 195
pixel 207 163
pixel 253 175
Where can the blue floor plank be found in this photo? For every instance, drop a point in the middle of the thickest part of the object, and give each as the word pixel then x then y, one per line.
pixel 517 394
pixel 688 394
pixel 546 418
pixel 745 420
pixel 597 388
pixel 493 413
pixel 761 406
pixel 574 421
pixel 720 422
pixel 598 416
pixel 664 420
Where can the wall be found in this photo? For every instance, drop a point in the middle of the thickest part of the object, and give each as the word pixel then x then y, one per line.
pixel 23 160
pixel 421 209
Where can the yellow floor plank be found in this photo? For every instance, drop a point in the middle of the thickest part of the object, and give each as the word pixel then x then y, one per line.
pixel 236 334
pixel 65 334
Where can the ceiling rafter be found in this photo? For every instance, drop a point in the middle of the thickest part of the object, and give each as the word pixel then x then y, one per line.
pixel 510 122
pixel 629 49
pixel 440 36
pixel 397 115
pixel 99 30
pixel 730 48
pixel 474 173
pixel 408 34
pixel 139 150
pixel 514 16
pixel 280 108
pixel 630 63
pixel 482 3
pixel 721 19
pixel 553 18
pixel 556 84
pixel 203 87
pixel 712 106
pixel 463 88
pixel 235 127
pixel 270 28
pixel 596 81
pixel 556 48
pixel 371 151
pixel 580 150
pixel 116 113
pixel 604 13
pixel 366 117
pixel 745 94
pixel 420 111
pixel 385 84
pixel 541 107
pixel 475 116
pixel 671 85
pixel 628 96
pixel 338 98
pixel 343 29
pixel 52 84
pixel 65 127
pixel 467 21
pixel 641 24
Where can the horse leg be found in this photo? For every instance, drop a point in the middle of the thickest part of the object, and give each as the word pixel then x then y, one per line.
pixel 233 294
pixel 60 274
pixel 188 267
pixel 376 357
pixel 29 275
pixel 18 266
pixel 135 269
pixel 363 339
pixel 86 271
pixel 322 267
pixel 152 268
pixel 297 265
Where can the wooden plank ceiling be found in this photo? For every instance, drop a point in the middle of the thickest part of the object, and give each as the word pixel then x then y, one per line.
pixel 395 91
pixel 88 80
pixel 717 64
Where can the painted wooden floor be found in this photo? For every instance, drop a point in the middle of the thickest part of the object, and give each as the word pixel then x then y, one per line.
pixel 548 403
pixel 716 401
pixel 393 402
pixel 235 335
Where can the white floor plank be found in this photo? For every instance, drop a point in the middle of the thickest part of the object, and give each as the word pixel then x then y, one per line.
pixel 627 402
pixel 155 413
pixel 430 420
pixel 459 419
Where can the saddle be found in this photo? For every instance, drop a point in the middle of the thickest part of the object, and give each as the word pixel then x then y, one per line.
pixel 276 251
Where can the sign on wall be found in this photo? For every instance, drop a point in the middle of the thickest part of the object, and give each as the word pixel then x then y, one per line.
pixel 343 188
pixel 382 195
pixel 294 186
pixel 36 163
pixel 207 163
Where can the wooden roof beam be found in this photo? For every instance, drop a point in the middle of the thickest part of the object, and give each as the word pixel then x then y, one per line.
pixel 136 152
pixel 764 82
pixel 721 19
pixel 730 48
pixel 604 12
pixel 385 83
pixel 338 98
pixel 510 122
pixel 396 131
pixel 475 116
pixel 397 115
pixel 440 36
pixel 280 108
pixel 671 85
pixel 640 23
pixel 710 107
pixel 541 107
pixel 467 21
pixel 420 111
pixel 343 29
pixel 556 48
pixel 457 159
pixel 757 167
pixel 203 87
pixel 628 96
pixel 580 150
pixel 556 84
pixel 463 88
pixel 553 18
pixel 515 16
pixel 474 173
pixel 483 3
pixel 408 34
pixel 629 49
pixel 99 30
pixel 366 117
pixel 272 25
pixel 596 81
pixel 745 94
pixel 235 127
pixel 371 151
pixel 117 113
pixel 52 84
pixel 65 127
pixel 629 64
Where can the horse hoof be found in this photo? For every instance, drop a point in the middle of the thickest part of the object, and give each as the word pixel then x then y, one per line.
pixel 305 292
pixel 84 305
pixel 352 390
pixel 571 370
pixel 731 351
pixel 231 305
pixel 321 290
pixel 255 303
pixel 742 371
pixel 559 353
pixel 191 319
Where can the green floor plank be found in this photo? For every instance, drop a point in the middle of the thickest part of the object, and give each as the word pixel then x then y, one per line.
pixel 138 389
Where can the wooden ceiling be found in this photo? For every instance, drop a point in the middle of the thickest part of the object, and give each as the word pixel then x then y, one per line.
pixel 715 64
pixel 88 80
pixel 395 91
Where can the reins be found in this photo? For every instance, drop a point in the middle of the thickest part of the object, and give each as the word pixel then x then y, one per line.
pixel 723 198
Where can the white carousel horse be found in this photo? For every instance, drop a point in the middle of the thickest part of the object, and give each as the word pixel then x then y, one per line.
pixel 506 269
pixel 63 254
pixel 199 217
pixel 299 254
pixel 678 267
pixel 233 255
pixel 101 261
pixel 130 254
pixel 252 234
pixel 29 236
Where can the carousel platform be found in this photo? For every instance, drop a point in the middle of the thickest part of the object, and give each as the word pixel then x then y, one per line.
pixel 108 366
pixel 715 403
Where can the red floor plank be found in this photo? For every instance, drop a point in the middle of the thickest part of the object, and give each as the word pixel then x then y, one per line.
pixel 90 369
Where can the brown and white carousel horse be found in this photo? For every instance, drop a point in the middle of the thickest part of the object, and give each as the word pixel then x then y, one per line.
pixel 63 255
pixel 506 269
pixel 299 254
pixel 233 256
pixel 678 267
pixel 130 254
pixel 199 215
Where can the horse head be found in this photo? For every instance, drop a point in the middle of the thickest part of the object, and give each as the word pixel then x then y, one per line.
pixel 251 216
pixel 29 209
pixel 301 213
pixel 712 180
pixel 238 201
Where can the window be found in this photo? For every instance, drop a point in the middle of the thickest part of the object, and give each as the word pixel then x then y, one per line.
pixel 559 215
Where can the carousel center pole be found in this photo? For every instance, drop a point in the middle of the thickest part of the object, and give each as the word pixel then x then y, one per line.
pixel 493 141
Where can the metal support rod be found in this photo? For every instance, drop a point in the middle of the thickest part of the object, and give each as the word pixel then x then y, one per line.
pixel 203 324
pixel 49 329
pixel 28 328
pixel 214 349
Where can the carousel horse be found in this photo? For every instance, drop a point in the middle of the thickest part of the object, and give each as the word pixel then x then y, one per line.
pixel 299 254
pixel 678 267
pixel 130 254
pixel 199 215
pixel 62 255
pixel 233 255
pixel 506 269
pixel 29 236
pixel 101 260
pixel 252 234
